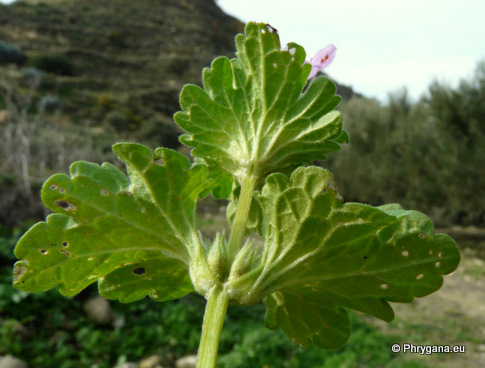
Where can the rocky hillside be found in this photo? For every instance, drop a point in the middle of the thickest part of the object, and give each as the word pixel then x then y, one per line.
pixel 131 56
pixel 122 54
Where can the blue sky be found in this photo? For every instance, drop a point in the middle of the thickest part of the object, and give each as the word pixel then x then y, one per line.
pixel 382 45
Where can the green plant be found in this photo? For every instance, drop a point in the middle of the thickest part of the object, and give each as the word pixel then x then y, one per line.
pixel 54 63
pixel 105 101
pixel 432 145
pixel 158 130
pixel 253 132
pixel 117 120
pixel 10 53
pixel 50 103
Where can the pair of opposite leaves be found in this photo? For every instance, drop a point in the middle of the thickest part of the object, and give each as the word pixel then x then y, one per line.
pixel 136 234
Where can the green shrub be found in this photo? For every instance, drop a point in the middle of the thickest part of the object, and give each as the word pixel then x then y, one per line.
pixel 32 74
pixel 423 155
pixel 117 39
pixel 50 103
pixel 54 63
pixel 10 53
pixel 105 101
pixel 158 131
pixel 117 120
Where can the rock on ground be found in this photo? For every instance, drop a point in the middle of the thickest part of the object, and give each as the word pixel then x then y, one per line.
pixel 98 310
pixel 9 361
pixel 128 365
pixel 186 362
pixel 154 361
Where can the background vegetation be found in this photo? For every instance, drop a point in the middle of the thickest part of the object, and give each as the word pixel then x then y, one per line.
pixel 428 155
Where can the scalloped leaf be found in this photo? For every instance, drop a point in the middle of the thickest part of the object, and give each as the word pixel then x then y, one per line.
pixel 110 226
pixel 161 278
pixel 221 181
pixel 321 255
pixel 327 326
pixel 251 116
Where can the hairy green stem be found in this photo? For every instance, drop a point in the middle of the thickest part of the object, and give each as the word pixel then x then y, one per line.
pixel 215 311
pixel 241 218
pixel 217 300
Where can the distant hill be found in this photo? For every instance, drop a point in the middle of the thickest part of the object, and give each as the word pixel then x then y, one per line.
pixel 121 54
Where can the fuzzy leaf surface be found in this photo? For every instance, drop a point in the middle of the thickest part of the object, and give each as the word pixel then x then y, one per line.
pixel 252 117
pixel 134 234
pixel 321 256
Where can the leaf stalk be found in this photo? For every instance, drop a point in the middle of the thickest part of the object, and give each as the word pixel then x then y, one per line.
pixel 241 218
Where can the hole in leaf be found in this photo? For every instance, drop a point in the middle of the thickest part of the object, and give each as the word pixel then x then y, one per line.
pixel 421 235
pixel 65 243
pixel 62 190
pixel 159 161
pixel 440 254
pixel 43 251
pixel 143 210
pixel 263 31
pixel 437 264
pixel 292 51
pixel 271 29
pixel 405 253
pixel 419 277
pixel 384 286
pixel 139 271
pixel 65 205
pixel 104 192
pixel 292 59
pixel 65 252
pixel 91 259
pixel 128 194
pixel 275 65
pixel 53 187
pixel 365 257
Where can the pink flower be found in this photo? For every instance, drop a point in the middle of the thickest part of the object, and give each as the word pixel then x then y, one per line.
pixel 322 59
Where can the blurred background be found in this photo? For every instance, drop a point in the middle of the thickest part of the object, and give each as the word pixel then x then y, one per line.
pixel 77 76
